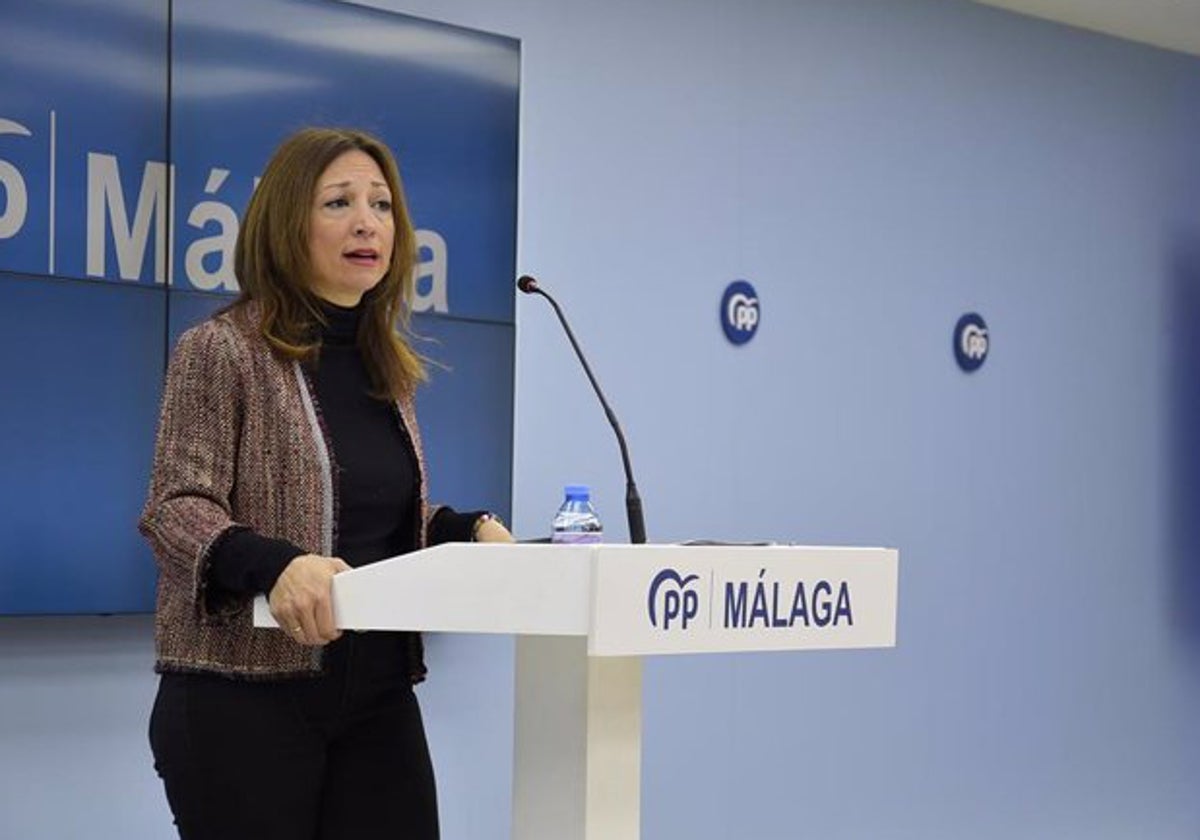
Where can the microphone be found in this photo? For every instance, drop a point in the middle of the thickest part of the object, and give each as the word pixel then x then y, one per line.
pixel 633 502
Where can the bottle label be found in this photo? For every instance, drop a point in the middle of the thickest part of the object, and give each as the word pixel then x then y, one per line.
pixel 576 537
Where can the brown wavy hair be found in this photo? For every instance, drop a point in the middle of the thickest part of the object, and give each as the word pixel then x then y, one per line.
pixel 273 267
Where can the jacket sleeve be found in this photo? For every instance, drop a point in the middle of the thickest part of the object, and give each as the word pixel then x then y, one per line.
pixel 244 562
pixel 188 507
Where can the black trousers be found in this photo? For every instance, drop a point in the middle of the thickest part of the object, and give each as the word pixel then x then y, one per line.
pixel 338 757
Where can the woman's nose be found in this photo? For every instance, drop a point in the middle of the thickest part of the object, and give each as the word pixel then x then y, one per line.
pixel 364 221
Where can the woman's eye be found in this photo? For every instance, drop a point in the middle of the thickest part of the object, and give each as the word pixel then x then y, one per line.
pixel 337 202
pixel 383 204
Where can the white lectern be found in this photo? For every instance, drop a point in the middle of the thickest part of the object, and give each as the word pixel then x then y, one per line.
pixel 585 615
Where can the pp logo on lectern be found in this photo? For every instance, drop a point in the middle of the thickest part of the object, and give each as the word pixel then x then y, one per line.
pixel 672 600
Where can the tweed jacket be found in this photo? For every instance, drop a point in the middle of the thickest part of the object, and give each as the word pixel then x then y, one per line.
pixel 240 443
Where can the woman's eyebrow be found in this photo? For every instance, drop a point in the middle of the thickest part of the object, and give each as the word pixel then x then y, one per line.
pixel 343 184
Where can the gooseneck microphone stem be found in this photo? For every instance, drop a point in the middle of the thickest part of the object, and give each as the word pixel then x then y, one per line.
pixel 633 502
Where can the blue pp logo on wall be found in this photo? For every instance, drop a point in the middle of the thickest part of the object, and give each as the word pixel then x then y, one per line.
pixel 739 312
pixel 970 342
pixel 672 599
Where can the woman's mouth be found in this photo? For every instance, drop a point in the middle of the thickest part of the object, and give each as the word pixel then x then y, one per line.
pixel 362 256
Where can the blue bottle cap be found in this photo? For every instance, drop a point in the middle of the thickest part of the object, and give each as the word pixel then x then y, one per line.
pixel 579 492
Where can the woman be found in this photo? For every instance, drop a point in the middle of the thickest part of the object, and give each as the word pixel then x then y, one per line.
pixel 288 452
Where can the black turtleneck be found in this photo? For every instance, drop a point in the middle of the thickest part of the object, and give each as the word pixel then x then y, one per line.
pixel 375 474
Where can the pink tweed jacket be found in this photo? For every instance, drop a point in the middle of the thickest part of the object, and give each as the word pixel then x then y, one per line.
pixel 240 443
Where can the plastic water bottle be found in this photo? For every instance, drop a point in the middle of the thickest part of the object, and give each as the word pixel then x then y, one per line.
pixel 576 521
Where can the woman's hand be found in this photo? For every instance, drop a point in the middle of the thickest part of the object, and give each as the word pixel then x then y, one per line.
pixel 492 530
pixel 301 600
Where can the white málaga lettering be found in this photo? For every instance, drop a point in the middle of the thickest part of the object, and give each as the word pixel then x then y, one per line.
pixel 106 201
pixel 221 244
pixel 111 224
pixel 430 280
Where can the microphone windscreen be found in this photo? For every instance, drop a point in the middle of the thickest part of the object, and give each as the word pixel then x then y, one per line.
pixel 527 284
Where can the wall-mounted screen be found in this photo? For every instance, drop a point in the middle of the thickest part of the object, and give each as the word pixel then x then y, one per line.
pixel 123 173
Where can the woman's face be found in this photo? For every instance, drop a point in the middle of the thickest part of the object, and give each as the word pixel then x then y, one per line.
pixel 350 229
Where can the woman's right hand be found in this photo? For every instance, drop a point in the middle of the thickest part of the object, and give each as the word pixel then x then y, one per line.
pixel 301 600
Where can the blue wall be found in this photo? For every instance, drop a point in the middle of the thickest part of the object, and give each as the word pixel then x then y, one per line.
pixel 876 168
